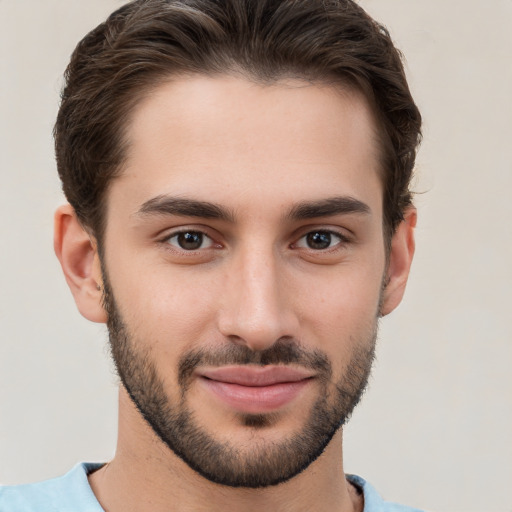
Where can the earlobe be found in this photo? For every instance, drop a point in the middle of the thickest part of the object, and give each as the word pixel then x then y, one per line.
pixel 400 260
pixel 79 259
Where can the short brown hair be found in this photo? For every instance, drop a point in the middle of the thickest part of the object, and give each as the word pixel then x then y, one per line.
pixel 148 41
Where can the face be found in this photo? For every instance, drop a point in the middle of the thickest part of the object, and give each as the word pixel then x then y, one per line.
pixel 243 266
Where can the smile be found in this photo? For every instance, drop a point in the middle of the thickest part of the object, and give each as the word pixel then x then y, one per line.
pixel 255 390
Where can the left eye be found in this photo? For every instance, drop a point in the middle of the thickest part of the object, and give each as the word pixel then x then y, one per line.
pixel 319 240
pixel 190 240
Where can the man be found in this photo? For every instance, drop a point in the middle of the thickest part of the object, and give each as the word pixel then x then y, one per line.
pixel 240 216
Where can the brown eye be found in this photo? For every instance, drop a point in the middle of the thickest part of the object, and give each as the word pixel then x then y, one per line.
pixel 190 240
pixel 320 240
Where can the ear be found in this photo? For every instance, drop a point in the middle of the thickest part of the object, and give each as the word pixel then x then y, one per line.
pixel 400 259
pixel 78 255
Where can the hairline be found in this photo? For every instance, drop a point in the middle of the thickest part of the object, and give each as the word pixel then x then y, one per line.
pixel 340 84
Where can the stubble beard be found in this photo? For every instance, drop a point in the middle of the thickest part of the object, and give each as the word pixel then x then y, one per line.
pixel 266 463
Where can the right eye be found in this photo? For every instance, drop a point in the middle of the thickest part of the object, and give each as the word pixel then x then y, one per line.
pixel 190 240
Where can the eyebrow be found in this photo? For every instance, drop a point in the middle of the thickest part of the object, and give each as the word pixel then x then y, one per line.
pixel 169 205
pixel 328 207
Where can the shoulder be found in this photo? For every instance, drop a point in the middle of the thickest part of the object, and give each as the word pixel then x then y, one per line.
pixel 68 492
pixel 373 501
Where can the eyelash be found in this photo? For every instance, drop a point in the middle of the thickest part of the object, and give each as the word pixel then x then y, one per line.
pixel 177 247
pixel 342 240
pixel 327 235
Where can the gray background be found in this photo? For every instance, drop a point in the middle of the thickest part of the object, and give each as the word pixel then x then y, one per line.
pixel 434 430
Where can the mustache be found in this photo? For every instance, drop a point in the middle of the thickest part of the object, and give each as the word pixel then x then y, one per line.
pixel 282 352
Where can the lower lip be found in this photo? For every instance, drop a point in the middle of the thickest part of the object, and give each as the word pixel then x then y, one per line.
pixel 256 399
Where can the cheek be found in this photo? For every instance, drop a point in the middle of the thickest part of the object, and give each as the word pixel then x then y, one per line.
pixel 168 309
pixel 342 314
pixel 344 294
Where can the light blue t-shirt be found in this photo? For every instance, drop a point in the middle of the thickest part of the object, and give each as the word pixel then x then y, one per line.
pixel 72 493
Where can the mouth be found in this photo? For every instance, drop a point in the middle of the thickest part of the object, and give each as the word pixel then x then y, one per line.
pixel 253 389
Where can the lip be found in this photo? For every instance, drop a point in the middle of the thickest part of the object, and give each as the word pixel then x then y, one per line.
pixel 255 390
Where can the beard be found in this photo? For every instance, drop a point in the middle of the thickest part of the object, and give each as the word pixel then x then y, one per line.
pixel 264 463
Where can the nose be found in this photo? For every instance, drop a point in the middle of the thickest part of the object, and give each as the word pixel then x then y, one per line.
pixel 257 305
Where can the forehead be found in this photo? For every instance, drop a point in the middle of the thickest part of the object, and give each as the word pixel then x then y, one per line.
pixel 239 141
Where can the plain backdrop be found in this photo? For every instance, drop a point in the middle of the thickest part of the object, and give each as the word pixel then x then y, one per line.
pixel 434 429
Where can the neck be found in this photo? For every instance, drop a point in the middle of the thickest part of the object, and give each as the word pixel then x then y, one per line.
pixel 146 472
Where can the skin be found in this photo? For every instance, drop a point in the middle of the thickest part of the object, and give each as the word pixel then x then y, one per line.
pixel 258 152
